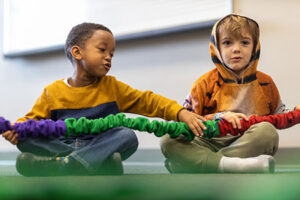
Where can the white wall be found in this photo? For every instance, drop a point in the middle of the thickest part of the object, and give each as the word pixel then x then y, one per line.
pixel 280 42
pixel 167 65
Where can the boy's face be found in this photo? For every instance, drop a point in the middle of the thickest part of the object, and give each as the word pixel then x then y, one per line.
pixel 236 52
pixel 97 54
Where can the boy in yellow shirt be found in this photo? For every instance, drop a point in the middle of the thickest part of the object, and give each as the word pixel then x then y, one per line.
pixel 91 93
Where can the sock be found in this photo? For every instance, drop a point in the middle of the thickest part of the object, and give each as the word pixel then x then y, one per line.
pixel 259 164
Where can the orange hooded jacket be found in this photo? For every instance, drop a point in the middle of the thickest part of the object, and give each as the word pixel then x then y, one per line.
pixel 221 90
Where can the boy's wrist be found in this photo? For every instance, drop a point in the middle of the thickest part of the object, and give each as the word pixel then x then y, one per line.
pixel 180 113
pixel 218 116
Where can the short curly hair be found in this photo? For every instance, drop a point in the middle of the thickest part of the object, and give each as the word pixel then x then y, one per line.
pixel 79 34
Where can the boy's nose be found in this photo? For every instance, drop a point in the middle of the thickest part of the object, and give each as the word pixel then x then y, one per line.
pixel 108 58
pixel 236 48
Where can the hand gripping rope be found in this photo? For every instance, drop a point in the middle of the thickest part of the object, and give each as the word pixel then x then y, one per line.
pixel 73 127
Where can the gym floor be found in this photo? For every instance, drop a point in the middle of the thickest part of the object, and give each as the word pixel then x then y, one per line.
pixel 146 178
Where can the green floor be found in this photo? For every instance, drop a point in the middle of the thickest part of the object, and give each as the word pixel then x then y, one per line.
pixel 150 180
pixel 154 186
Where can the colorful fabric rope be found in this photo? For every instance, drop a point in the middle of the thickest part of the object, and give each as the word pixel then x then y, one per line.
pixel 74 127
pixel 32 128
pixel 159 128
pixel 280 121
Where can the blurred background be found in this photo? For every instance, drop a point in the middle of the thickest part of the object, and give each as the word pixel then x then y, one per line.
pixel 161 46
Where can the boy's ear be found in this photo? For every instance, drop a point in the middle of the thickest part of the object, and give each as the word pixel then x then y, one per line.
pixel 76 53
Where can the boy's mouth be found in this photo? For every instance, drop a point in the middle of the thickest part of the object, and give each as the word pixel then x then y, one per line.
pixel 236 59
pixel 107 66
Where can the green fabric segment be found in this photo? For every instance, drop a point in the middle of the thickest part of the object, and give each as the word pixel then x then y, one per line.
pixel 159 128
pixel 212 128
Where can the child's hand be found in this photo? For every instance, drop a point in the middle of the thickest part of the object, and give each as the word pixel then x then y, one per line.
pixel 193 121
pixel 297 107
pixel 234 118
pixel 11 136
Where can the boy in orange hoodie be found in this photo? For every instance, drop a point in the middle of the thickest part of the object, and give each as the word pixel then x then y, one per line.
pixel 231 91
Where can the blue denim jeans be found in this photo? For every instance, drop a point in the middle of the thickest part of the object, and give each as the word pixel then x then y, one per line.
pixel 90 150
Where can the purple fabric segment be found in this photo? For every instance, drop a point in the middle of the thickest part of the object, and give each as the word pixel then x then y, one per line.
pixel 47 128
pixel 4 125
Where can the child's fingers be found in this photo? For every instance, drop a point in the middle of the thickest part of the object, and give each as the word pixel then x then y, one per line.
pixel 203 127
pixel 11 136
pixel 201 118
pixel 7 135
pixel 238 123
pixel 195 129
pixel 233 123
pixel 14 139
pixel 200 127
pixel 241 115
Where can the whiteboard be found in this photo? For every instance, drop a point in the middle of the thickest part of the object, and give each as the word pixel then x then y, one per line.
pixel 33 26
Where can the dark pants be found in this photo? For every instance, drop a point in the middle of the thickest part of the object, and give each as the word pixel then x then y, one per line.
pixel 89 150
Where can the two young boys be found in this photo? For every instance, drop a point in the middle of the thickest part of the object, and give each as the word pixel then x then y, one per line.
pixel 234 90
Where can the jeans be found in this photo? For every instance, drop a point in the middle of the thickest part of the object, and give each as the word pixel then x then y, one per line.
pixel 89 150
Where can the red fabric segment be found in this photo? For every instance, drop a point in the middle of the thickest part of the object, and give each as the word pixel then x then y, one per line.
pixel 280 121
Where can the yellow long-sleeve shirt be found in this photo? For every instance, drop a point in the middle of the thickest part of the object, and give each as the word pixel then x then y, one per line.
pixel 105 96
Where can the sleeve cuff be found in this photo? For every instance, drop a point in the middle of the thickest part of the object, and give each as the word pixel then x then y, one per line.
pixel 217 116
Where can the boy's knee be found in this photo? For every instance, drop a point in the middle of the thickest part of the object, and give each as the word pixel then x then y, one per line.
pixel 128 142
pixel 20 146
pixel 166 142
pixel 169 145
pixel 265 133
pixel 268 131
pixel 128 136
pixel 26 145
